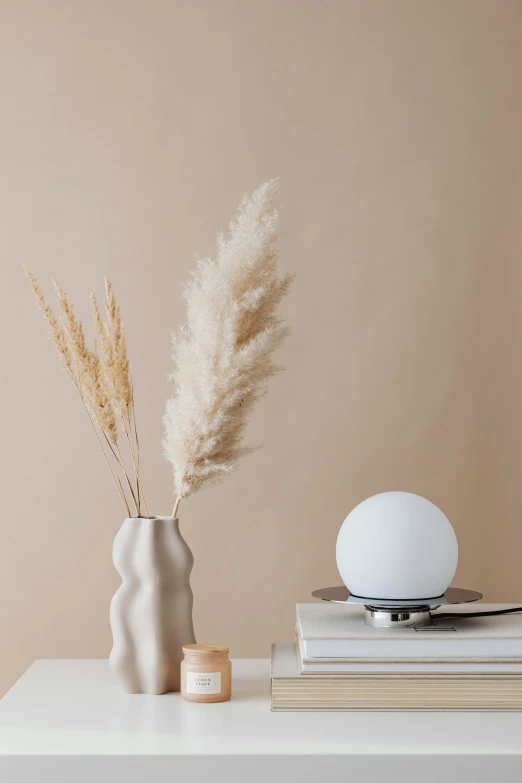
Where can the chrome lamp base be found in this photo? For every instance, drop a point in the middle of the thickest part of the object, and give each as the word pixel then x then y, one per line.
pixel 381 613
pixel 396 618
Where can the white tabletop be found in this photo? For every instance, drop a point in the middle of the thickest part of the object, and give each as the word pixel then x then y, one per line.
pixel 67 720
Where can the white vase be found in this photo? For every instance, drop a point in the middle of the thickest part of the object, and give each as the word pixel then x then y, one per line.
pixel 151 612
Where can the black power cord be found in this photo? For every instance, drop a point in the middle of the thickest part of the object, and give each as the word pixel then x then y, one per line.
pixel 444 615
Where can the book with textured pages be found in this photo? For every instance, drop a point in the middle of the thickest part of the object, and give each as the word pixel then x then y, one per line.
pixel 399 688
pixel 340 663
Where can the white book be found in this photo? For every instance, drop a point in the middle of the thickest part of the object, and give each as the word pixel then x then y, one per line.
pixel 333 667
pixel 338 631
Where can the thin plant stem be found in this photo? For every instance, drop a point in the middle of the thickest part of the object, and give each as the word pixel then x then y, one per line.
pixel 126 427
pixel 123 493
pixel 129 482
pixel 137 445
pixel 178 501
pixel 117 483
pixel 135 427
pixel 116 455
pixel 131 446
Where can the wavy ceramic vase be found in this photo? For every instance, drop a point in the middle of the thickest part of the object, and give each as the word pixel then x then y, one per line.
pixel 151 612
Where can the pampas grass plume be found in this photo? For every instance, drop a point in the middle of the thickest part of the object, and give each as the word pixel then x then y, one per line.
pixel 223 354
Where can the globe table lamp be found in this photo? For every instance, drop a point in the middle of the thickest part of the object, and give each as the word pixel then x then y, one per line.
pixel 397 546
pixel 397 554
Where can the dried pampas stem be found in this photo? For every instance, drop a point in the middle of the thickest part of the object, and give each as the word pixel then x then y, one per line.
pixel 176 504
pixel 100 400
pixel 54 331
pixel 115 364
pixel 102 378
pixel 223 355
pixel 115 478
pixel 93 393
pixel 119 362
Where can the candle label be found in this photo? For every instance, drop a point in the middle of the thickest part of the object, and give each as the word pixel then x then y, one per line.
pixel 203 682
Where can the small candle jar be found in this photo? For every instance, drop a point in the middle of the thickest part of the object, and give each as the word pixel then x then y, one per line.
pixel 206 673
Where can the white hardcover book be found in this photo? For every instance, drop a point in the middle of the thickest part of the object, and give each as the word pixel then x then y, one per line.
pixel 338 631
pixel 333 667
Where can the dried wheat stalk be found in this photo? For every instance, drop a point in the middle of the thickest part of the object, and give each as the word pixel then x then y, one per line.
pixel 223 355
pixel 55 332
pixel 101 378
pixel 100 400
pixel 116 374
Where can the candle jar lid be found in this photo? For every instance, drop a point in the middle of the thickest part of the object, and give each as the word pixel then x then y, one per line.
pixel 205 649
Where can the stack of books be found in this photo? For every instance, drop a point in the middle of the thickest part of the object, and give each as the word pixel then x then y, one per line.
pixel 340 663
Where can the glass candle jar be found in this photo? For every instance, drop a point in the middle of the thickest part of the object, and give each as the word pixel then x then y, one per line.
pixel 206 673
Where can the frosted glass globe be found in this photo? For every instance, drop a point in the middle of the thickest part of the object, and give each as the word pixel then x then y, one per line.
pixel 397 546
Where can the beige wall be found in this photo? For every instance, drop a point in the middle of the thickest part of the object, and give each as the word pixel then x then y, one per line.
pixel 128 132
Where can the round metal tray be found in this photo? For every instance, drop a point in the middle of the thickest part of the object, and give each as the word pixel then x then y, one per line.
pixel 387 613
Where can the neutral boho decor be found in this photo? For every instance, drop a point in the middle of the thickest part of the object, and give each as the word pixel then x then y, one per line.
pixel 222 362
pixel 151 612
